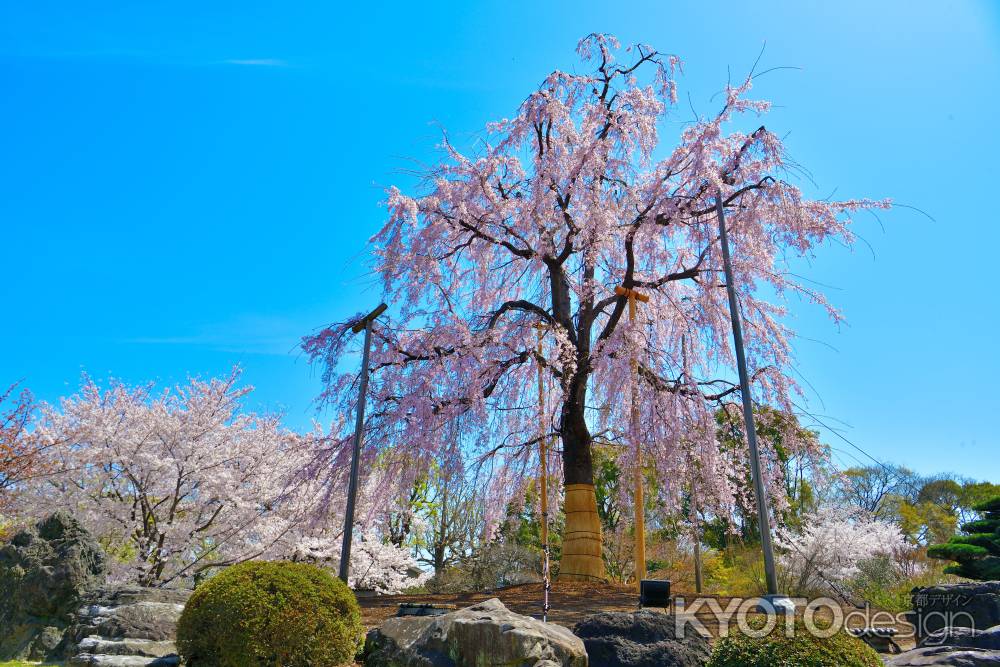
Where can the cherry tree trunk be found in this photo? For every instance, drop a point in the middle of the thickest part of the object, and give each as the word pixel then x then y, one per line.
pixel 582 540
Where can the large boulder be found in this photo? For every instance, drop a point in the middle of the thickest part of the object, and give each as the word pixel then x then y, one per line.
pixel 126 626
pixel 946 656
pixel 970 605
pixel 44 572
pixel 483 634
pixel 640 639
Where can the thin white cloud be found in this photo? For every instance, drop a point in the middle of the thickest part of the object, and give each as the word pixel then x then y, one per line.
pixel 113 56
pixel 246 334
pixel 257 62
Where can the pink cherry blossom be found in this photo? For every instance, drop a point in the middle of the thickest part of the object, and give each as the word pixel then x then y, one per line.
pixel 179 482
pixel 831 545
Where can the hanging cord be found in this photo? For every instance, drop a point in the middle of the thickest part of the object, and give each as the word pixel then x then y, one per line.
pixel 543 488
pixel 546 576
pixel 838 591
pixel 885 467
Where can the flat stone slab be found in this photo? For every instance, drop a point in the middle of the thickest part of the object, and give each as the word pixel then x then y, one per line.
pixel 135 647
pixel 122 661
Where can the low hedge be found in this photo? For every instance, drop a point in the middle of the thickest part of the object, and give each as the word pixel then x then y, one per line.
pixel 270 614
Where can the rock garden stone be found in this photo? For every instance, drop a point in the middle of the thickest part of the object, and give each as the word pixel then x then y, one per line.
pixel 126 626
pixel 484 634
pixel 965 637
pixel 640 639
pixel 44 572
pixel 955 605
pixel 954 656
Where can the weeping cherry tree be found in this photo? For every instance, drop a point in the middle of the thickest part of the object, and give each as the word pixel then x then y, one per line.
pixel 569 199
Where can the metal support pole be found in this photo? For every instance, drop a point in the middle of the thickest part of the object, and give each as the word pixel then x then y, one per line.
pixel 352 489
pixel 751 431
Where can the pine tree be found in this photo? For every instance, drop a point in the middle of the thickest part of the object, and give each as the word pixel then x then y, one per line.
pixel 977 552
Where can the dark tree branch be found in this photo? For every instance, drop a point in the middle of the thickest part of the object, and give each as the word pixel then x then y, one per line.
pixel 521 305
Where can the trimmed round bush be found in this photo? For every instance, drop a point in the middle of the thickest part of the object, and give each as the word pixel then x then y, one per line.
pixel 803 649
pixel 270 614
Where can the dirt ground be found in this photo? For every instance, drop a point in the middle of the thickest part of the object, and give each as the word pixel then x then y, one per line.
pixel 569 603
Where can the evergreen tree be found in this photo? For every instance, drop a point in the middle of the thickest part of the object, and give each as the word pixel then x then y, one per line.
pixel 977 552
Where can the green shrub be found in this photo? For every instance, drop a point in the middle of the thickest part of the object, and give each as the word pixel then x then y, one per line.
pixel 880 583
pixel 800 650
pixel 276 614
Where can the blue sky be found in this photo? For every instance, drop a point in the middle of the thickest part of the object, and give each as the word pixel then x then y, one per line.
pixel 189 185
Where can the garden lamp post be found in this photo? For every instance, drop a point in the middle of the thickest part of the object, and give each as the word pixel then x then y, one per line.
pixel 352 489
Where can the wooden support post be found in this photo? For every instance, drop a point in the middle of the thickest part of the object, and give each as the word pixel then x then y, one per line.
pixel 638 496
pixel 696 537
